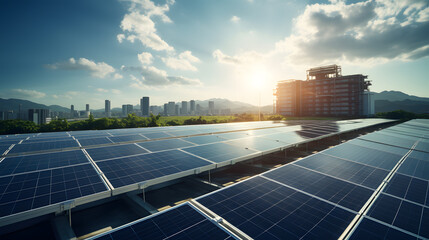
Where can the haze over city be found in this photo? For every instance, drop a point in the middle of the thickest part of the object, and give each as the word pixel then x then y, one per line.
pixel 80 52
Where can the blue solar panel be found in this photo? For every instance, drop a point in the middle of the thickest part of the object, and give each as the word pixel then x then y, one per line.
pixel 104 153
pixel 257 143
pixel 386 139
pixel 136 169
pixel 415 167
pixel 402 214
pixel 347 170
pixel 3 148
pixel 379 146
pixel 182 222
pixel 412 189
pixel 94 141
pixel 369 229
pixel 43 146
pixel 266 210
pixel 127 138
pixel 204 139
pixel 157 135
pixel 337 191
pixel 232 135
pixel 219 152
pixel 37 162
pixel 365 155
pixel 184 133
pixel 422 146
pixel 27 191
pixel 286 137
pixel 165 144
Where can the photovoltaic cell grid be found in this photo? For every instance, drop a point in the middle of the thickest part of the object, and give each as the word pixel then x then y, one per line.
pixel 43 146
pixel 37 162
pixel 22 192
pixel 137 169
pixel 219 152
pixel 104 153
pixel 182 222
pixel 166 144
pixel 267 210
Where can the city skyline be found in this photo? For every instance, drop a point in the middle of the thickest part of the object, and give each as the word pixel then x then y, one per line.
pixel 78 52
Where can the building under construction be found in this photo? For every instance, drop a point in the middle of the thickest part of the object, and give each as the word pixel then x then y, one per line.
pixel 325 93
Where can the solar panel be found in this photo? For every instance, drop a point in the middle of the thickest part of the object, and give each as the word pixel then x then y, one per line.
pixel 136 169
pixel 3 148
pixel 43 146
pixel 402 214
pixel 94 141
pixel 370 229
pixel 415 167
pixel 22 192
pixel 379 146
pixel 103 153
pixel 267 210
pixel 156 135
pixel 422 146
pixel 286 137
pixel 412 189
pixel 386 139
pixel 232 135
pixel 259 144
pixel 182 222
pixel 127 138
pixel 332 189
pixel 37 162
pixel 204 139
pixel 347 170
pixel 165 144
pixel 364 155
pixel 219 152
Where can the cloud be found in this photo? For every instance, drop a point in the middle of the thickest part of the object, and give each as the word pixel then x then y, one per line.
pixel 183 62
pixel 239 59
pixel 98 70
pixel 117 76
pixel 235 19
pixel 370 31
pixel 24 93
pixel 102 90
pixel 120 37
pixel 145 58
pixel 154 77
pixel 114 91
pixel 138 24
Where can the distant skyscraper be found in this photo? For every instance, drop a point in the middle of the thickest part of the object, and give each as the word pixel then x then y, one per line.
pixel 107 112
pixel 127 109
pixel 72 112
pixel 38 116
pixel 184 110
pixel 198 109
pixel 165 109
pixel 171 108
pixel 87 107
pixel 192 110
pixel 211 107
pixel 176 110
pixel 144 106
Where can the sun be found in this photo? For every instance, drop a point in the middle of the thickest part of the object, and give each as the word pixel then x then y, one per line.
pixel 258 77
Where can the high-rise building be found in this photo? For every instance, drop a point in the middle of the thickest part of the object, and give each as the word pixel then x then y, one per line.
pixel 177 110
pixel 39 116
pixel 165 109
pixel 107 112
pixel 198 109
pixel 184 109
pixel 87 108
pixel 325 93
pixel 192 110
pixel 144 106
pixel 211 107
pixel 127 109
pixel 72 112
pixel 171 108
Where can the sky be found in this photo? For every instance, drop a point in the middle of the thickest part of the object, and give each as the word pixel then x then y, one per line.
pixel 77 52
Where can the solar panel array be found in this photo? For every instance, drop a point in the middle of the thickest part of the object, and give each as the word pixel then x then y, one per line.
pixel 373 187
pixel 41 173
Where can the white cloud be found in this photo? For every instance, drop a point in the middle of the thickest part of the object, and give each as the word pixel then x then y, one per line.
pixel 183 62
pixel 120 37
pixel 55 96
pixel 117 76
pixel 239 59
pixel 114 91
pixel 371 31
pixel 102 90
pixel 145 58
pixel 98 70
pixel 235 19
pixel 25 93
pixel 139 25
pixel 154 77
